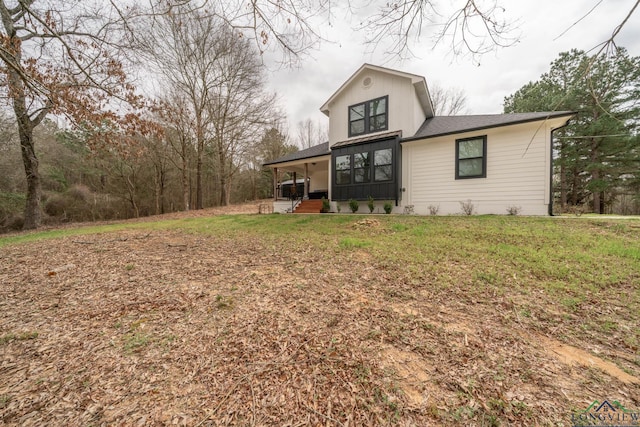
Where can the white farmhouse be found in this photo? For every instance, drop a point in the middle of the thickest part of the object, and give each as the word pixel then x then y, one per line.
pixel 386 143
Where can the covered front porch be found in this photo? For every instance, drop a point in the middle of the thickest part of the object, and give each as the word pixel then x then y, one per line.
pixel 300 176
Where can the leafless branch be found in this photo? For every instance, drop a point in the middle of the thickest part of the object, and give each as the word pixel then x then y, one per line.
pixel 473 27
pixel 579 20
pixel 609 46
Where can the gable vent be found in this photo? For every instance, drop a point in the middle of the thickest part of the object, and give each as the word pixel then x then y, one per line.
pixel 367 81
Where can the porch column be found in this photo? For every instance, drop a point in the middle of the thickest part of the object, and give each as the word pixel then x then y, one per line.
pixel 294 187
pixel 275 184
pixel 306 182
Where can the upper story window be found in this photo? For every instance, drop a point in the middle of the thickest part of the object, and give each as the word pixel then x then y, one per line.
pixel 368 117
pixel 471 157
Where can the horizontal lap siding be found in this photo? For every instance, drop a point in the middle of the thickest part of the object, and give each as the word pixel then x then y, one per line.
pixel 516 175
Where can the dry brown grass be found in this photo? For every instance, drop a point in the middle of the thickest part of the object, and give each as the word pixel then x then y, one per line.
pixel 164 327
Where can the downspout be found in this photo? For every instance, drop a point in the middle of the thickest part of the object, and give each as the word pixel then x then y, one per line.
pixel 398 171
pixel 551 194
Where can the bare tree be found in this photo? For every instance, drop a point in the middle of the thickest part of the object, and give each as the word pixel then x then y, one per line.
pixel 186 49
pixel 178 123
pixel 447 102
pixel 273 144
pixel 471 27
pixel 62 59
pixel 310 133
pixel 239 108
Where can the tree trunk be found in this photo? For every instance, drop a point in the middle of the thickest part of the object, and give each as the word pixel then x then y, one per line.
pixel 32 210
pixel 595 173
pixel 200 154
pixel 163 177
pixel 131 189
pixel 156 192
pixel 563 179
pixel 186 196
pixel 223 190
pixel 159 179
pixel 574 193
pixel 597 202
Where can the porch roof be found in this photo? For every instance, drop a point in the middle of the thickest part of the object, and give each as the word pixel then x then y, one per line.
pixel 308 153
pixel 369 138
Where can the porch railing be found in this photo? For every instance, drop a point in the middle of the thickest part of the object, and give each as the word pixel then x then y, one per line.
pixel 295 201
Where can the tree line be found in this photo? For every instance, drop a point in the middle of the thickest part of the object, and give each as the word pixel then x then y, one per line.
pixel 149 107
pixel 93 148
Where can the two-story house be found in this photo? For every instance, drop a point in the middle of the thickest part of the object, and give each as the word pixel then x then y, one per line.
pixel 386 143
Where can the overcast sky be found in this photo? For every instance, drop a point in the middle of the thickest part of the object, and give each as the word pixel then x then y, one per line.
pixel 303 90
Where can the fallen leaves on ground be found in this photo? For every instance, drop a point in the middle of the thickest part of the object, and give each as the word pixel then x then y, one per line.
pixel 165 327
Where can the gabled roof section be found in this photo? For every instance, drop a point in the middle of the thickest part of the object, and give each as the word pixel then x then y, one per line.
pixel 447 125
pixel 419 84
pixel 307 153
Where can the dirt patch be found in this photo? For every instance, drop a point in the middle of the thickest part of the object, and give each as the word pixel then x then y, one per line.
pixel 367 223
pixel 575 356
pixel 413 374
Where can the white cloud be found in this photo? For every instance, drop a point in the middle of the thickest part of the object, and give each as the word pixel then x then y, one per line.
pixel 541 22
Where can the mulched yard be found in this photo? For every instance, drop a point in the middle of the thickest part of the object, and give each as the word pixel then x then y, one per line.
pixel 165 327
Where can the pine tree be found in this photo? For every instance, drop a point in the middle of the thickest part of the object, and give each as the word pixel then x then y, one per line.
pixel 597 154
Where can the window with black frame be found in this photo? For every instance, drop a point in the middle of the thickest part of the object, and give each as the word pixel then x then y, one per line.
pixel 383 165
pixel 361 167
pixel 368 117
pixel 343 169
pixel 471 157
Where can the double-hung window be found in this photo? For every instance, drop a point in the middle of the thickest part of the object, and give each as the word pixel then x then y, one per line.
pixel 343 169
pixel 361 167
pixel 383 165
pixel 368 117
pixel 471 157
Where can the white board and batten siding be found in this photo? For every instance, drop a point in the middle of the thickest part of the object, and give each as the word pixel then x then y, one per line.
pixel 518 172
pixel 402 115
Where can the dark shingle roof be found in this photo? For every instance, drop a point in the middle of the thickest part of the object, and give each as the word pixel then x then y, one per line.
pixel 432 127
pixel 315 151
pixel 446 125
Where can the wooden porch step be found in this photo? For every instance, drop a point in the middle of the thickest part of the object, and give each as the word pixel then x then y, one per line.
pixel 309 206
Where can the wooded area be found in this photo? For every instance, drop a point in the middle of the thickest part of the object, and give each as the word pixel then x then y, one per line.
pixel 118 111
pixel 94 148
pixel 597 166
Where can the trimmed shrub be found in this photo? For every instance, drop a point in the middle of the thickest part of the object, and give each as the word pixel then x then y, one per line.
pixel 354 205
pixel 388 207
pixel 370 204
pixel 326 206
